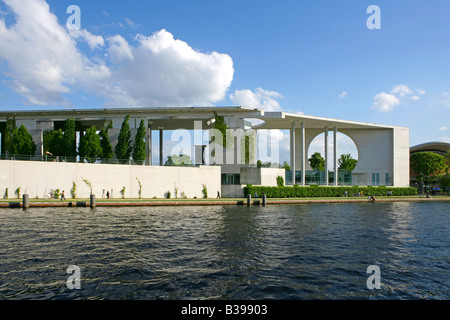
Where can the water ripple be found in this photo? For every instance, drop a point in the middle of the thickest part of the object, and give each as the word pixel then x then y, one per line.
pixel 318 251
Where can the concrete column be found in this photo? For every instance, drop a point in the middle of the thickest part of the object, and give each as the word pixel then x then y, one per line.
pixel 40 145
pixel 326 156
pixel 293 151
pixel 335 146
pixel 303 153
pixel 148 141
pixel 38 138
pixel 161 147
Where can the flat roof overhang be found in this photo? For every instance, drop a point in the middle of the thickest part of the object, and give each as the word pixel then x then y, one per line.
pixel 184 118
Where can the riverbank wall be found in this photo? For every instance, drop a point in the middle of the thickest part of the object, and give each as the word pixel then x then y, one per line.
pixel 39 179
pixel 206 202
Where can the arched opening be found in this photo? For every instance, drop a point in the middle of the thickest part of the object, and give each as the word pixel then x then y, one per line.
pixel 346 156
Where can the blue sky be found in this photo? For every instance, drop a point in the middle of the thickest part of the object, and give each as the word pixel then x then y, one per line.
pixel 314 57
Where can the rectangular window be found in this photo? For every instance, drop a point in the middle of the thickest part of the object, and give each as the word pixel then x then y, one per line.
pixel 375 179
pixel 230 179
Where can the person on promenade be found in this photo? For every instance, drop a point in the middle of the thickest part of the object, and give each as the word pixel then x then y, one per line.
pixel 62 196
pixel 218 195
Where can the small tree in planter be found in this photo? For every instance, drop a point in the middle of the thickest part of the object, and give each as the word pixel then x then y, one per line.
pixel 17 192
pixel 140 188
pixel 280 181
pixel 205 191
pixel 73 191
pixel 88 183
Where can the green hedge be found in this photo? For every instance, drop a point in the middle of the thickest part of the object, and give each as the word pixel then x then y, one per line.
pixel 322 191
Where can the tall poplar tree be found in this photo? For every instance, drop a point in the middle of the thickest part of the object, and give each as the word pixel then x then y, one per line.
pixel 107 151
pixel 10 127
pixel 90 147
pixel 139 153
pixel 54 142
pixel 69 147
pixel 22 142
pixel 124 148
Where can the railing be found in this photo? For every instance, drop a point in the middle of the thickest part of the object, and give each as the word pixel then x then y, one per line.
pixel 49 158
pixel 318 178
pixel 78 159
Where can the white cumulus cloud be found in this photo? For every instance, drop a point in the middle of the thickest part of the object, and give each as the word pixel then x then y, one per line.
pixel 384 101
pixel 342 95
pixel 94 41
pixel 44 64
pixel 119 49
pixel 162 71
pixel 401 90
pixel 260 98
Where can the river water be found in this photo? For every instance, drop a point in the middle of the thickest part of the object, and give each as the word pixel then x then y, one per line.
pixel 310 251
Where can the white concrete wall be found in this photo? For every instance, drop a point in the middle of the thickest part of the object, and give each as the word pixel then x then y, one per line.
pixel 269 176
pixel 261 176
pixel 401 157
pixel 38 178
pixel 257 176
pixel 375 154
pixel 250 175
pixel 232 191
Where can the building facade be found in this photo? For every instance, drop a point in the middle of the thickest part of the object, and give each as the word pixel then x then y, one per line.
pixel 383 151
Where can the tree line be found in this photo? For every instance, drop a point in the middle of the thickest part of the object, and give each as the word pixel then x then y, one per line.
pixel 94 144
pixel 345 162
pixel 18 140
pixel 430 168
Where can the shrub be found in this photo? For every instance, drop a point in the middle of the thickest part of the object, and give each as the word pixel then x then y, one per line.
pixel 280 181
pixel 322 191
pixel 17 192
pixel 73 191
pixel 205 191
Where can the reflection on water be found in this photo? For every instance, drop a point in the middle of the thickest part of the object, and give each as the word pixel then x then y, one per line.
pixel 318 251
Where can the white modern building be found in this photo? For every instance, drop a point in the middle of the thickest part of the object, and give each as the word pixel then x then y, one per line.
pixel 383 151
